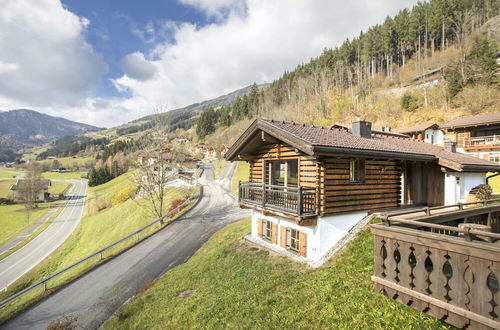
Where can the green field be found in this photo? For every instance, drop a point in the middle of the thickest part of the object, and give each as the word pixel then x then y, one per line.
pixel 64 176
pixel 9 172
pixel 13 219
pixel 102 224
pixel 240 174
pixel 69 161
pixel 5 185
pixel 57 188
pixel 237 285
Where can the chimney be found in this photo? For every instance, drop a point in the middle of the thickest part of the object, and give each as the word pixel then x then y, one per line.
pixel 362 128
pixel 450 146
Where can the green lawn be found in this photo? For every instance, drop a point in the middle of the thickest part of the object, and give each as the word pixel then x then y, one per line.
pixel 13 219
pixel 494 183
pixel 64 176
pixel 57 188
pixel 237 285
pixel 69 161
pixel 5 187
pixel 8 173
pixel 241 174
pixel 96 230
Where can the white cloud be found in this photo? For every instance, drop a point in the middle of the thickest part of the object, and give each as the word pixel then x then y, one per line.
pixel 273 36
pixel 44 59
pixel 136 67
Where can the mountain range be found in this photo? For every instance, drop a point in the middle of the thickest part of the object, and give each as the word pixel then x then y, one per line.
pixel 24 128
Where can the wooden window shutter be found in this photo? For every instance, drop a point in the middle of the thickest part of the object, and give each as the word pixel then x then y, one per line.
pixel 303 244
pixel 259 228
pixel 275 233
pixel 283 237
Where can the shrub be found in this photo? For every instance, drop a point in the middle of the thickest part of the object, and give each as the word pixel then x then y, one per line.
pixel 482 192
pixel 122 196
pixel 103 203
pixel 408 102
pixel 176 203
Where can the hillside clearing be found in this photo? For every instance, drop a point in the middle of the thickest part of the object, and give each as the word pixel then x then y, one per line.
pixel 232 284
pixel 64 175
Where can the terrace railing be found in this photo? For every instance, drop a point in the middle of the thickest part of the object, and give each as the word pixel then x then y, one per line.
pixel 443 261
pixel 296 201
pixel 480 141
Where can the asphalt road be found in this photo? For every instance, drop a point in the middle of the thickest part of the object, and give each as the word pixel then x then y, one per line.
pixel 27 257
pixel 98 294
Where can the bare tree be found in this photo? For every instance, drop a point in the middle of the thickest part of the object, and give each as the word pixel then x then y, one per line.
pixel 30 187
pixel 154 169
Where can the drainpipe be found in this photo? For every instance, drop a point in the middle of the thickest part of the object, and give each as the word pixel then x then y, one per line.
pixel 491 176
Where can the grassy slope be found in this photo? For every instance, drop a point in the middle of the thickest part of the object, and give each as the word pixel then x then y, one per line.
pixel 68 161
pixel 219 165
pixel 240 174
pixel 495 183
pixel 236 285
pixel 96 230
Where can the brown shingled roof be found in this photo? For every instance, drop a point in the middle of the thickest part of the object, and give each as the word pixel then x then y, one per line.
pixel 416 128
pixel 482 119
pixel 313 140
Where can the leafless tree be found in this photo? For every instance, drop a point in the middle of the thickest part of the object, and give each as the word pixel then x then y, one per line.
pixel 30 187
pixel 154 167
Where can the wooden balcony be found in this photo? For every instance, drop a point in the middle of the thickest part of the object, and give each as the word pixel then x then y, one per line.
pixel 443 261
pixel 297 202
pixel 482 142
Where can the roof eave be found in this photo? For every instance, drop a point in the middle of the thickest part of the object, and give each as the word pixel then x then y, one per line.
pixel 376 153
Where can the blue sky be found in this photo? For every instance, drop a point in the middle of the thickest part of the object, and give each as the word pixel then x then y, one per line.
pixel 107 62
pixel 119 27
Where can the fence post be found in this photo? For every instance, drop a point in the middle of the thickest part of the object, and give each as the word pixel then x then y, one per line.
pixel 100 255
pixel 460 206
pixel 299 202
pixel 137 236
pixel 44 284
pixel 427 211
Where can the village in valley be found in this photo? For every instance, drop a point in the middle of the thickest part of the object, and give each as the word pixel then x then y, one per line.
pixel 360 189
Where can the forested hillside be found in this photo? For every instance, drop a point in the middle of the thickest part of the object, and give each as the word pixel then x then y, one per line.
pixel 374 75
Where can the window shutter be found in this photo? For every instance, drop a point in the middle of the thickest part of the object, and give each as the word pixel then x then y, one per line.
pixel 259 228
pixel 302 244
pixel 275 233
pixel 283 237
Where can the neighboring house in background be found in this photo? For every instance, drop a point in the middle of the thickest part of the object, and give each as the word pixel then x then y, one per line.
pixel 477 135
pixel 310 185
pixel 223 150
pixel 183 139
pixel 43 194
pixel 208 152
pixel 429 133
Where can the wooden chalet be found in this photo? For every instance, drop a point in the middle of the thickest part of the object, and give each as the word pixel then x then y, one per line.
pixel 428 132
pixel 312 184
pixel 478 135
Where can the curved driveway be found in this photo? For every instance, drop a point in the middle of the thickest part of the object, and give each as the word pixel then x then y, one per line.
pixel 27 257
pixel 97 295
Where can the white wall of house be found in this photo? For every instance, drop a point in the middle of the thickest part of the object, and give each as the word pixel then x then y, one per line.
pixel 457 186
pixel 434 136
pixel 320 238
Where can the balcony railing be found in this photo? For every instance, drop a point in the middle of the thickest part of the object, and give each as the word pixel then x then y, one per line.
pixel 443 261
pixel 481 141
pixel 296 201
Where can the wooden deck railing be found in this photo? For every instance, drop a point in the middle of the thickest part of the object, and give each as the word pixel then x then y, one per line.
pixel 479 141
pixel 436 261
pixel 297 201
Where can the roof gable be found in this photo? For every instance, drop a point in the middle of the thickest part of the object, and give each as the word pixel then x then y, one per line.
pixel 475 120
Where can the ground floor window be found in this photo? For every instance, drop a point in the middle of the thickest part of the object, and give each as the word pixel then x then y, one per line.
pixel 267 230
pixel 293 240
pixel 495 158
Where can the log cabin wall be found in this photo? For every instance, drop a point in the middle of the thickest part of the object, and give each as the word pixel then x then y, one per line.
pixel 381 187
pixel 306 164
